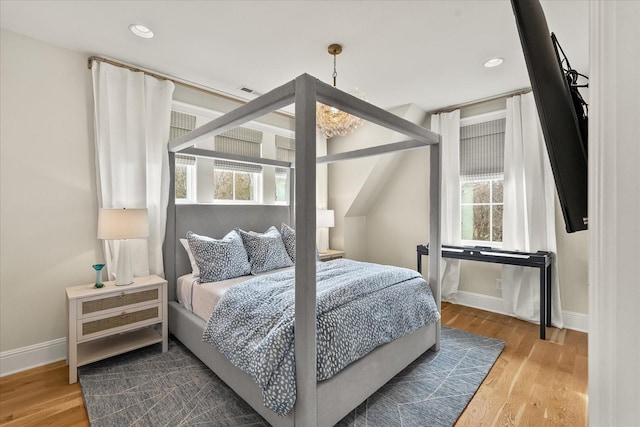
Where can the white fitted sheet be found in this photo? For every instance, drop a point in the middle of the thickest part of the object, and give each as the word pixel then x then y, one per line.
pixel 201 298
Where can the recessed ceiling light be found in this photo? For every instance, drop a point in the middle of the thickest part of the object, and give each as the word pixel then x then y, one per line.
pixel 494 62
pixel 141 31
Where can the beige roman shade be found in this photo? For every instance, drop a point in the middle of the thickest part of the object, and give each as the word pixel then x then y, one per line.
pixel 482 150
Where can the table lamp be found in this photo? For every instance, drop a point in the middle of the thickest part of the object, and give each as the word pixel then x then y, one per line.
pixel 123 224
pixel 324 218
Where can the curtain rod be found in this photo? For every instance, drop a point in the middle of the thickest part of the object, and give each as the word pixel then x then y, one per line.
pixel 482 100
pixel 174 80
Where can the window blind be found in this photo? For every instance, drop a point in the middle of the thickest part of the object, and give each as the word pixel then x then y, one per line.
pixel 240 141
pixel 181 123
pixel 185 160
pixel 285 151
pixel 482 150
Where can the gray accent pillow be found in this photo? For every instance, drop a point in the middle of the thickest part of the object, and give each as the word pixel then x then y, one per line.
pixel 289 239
pixel 266 251
pixel 219 259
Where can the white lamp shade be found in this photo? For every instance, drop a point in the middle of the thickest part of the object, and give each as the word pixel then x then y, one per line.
pixel 325 218
pixel 118 224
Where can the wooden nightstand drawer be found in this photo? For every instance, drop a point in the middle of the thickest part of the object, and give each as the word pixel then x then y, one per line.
pixel 123 299
pixel 117 321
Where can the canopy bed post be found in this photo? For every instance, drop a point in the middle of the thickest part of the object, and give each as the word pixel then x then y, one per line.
pixel 169 245
pixel 305 276
pixel 435 178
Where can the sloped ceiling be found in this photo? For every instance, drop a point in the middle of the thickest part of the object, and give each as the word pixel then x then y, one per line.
pixel 429 53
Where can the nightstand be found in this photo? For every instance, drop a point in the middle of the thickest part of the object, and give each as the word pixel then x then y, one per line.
pixel 114 319
pixel 330 254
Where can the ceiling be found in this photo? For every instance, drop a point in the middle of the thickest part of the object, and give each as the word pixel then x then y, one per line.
pixel 429 53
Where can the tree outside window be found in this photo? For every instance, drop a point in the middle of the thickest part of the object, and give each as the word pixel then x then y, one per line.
pixel 481 210
pixel 235 185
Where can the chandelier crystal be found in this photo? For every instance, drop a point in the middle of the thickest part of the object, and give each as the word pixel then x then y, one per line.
pixel 330 120
pixel 333 122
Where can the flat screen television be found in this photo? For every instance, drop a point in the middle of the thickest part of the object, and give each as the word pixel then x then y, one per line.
pixel 563 121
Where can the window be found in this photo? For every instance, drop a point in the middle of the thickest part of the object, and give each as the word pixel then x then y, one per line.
pixel 237 181
pixel 185 179
pixel 285 151
pixel 481 179
pixel 282 186
pixel 481 210
pixel 235 185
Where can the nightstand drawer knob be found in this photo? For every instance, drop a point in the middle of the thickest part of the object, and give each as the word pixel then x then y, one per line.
pixel 122 295
pixel 123 315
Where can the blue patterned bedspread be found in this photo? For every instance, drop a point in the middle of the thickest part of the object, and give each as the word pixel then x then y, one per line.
pixel 360 306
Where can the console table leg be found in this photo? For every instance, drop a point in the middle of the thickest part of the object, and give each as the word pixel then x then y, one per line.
pixel 543 303
pixel 549 273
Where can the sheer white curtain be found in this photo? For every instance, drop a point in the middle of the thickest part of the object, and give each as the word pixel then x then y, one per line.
pixel 132 118
pixel 529 210
pixel 322 193
pixel 448 126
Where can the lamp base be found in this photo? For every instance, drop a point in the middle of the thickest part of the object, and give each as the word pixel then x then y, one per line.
pixel 124 284
pixel 124 275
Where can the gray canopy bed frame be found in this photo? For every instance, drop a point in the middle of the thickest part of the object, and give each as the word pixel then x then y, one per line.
pixel 317 403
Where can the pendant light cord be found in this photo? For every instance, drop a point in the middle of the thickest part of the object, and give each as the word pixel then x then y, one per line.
pixel 335 73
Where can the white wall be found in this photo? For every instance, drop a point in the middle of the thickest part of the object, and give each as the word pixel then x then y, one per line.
pixel 614 207
pixel 354 186
pixel 48 208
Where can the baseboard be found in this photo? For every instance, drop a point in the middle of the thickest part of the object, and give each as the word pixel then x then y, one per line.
pixel 576 321
pixel 32 356
pixel 572 320
pixel 481 301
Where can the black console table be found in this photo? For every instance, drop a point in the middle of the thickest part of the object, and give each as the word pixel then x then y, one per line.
pixel 541 260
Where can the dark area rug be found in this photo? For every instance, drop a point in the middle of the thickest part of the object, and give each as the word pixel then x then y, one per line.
pixel 149 388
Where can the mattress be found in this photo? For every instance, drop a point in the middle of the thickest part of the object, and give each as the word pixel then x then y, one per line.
pixel 201 298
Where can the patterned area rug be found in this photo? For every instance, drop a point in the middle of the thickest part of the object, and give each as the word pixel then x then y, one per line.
pixel 149 388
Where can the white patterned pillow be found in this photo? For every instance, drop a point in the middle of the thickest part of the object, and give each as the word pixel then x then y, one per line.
pixel 266 251
pixel 289 239
pixel 219 259
pixel 194 266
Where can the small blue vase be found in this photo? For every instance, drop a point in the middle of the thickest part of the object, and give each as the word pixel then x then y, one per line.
pixel 98 269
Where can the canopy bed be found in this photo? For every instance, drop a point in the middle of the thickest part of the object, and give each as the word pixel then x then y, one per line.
pixel 317 403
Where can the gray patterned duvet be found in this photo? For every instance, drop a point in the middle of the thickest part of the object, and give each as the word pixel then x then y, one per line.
pixel 360 306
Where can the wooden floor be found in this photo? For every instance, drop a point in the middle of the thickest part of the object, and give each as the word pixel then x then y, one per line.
pixel 533 382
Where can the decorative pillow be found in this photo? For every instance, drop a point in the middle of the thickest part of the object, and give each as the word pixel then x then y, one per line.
pixel 221 259
pixel 194 266
pixel 266 251
pixel 289 239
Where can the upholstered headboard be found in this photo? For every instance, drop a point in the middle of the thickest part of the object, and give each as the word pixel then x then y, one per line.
pixel 214 221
